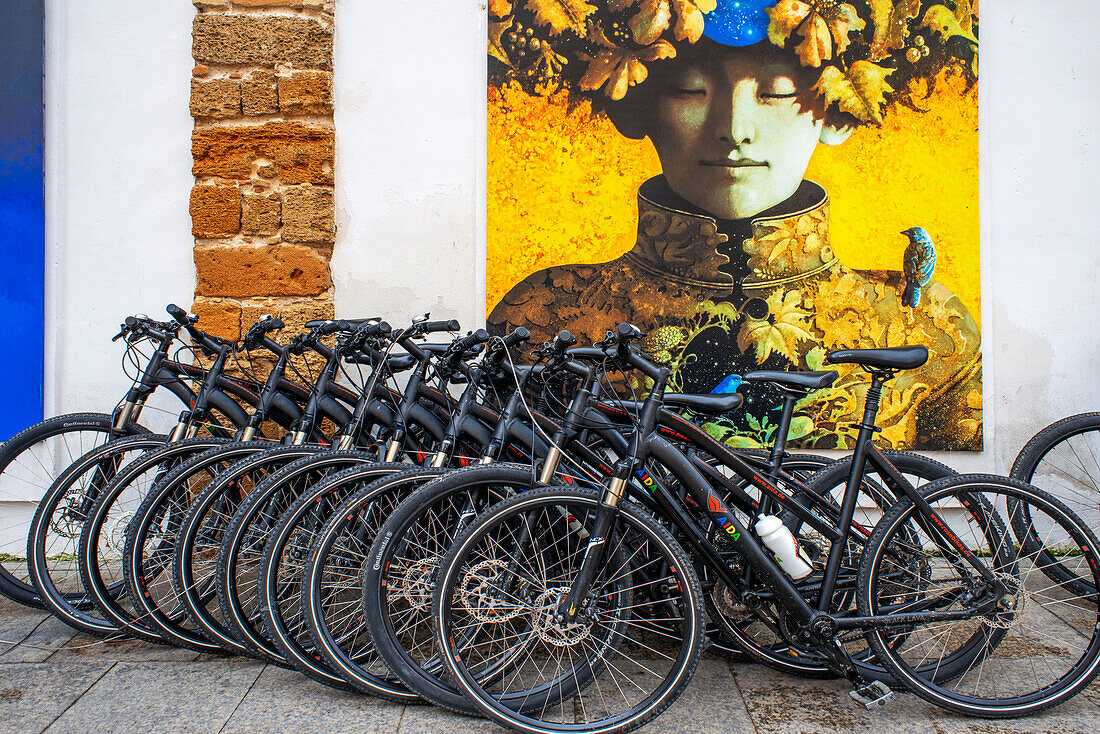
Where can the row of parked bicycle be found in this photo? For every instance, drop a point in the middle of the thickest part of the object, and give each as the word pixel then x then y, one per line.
pixel 525 542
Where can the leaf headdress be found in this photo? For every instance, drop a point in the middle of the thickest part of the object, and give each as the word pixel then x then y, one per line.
pixel 871 53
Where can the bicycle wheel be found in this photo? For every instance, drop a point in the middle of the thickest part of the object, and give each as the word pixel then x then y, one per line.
pixel 331 591
pixel 53 542
pixel 103 536
pixel 611 670
pixel 151 539
pixel 1063 459
pixel 285 557
pixel 241 554
pixel 760 632
pixel 199 541
pixel 30 462
pixel 397 584
pixel 1040 644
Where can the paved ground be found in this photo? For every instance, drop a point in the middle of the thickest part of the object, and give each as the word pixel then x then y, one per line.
pixel 132 687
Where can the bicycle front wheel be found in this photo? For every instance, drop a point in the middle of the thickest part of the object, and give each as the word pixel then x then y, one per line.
pixel 610 669
pixel 1039 644
pixel 30 462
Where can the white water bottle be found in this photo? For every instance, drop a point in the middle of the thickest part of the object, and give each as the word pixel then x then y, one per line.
pixel 781 541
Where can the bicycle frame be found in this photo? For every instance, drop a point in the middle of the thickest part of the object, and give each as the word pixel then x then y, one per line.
pixel 817 620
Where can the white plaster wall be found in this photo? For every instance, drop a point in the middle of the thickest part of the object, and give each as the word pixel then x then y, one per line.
pixel 410 132
pixel 118 177
pixel 410 120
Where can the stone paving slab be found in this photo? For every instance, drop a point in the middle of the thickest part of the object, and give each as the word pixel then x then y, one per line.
pixel 285 700
pixel 133 687
pixel 786 705
pixel 89 647
pixel 161 698
pixel 434 720
pixel 32 695
pixel 39 635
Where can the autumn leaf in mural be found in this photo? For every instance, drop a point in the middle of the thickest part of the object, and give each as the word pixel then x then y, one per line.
pixel 782 331
pixel 648 18
pixel 941 20
pixel 616 69
pixel 861 92
pixel 562 15
pixel 689 18
pixel 891 20
pixel 823 26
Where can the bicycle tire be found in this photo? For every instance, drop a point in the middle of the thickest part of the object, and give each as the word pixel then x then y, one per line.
pixel 570 509
pixel 978 499
pixel 20 477
pixel 1055 460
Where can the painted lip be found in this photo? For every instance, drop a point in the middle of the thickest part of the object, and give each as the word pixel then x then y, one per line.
pixel 734 163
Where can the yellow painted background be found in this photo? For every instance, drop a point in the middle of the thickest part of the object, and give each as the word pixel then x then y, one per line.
pixel 562 187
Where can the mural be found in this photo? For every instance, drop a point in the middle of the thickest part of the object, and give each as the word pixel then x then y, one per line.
pixel 752 183
pixel 21 213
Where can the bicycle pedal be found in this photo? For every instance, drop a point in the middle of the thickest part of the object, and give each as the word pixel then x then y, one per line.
pixel 875 694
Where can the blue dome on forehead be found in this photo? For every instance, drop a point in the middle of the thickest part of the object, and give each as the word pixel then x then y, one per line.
pixel 738 22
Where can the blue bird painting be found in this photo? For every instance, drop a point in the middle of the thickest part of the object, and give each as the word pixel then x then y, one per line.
pixel 729 384
pixel 920 263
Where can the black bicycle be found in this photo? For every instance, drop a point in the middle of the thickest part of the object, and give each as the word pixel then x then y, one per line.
pixel 549 581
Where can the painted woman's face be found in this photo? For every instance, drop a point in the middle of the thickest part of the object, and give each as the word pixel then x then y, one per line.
pixel 731 125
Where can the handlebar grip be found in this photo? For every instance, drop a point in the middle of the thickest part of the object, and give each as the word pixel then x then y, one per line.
pixel 272 324
pixel 628 333
pixel 520 335
pixel 562 341
pixel 331 327
pixel 470 340
pixel 428 327
pixel 131 321
pixel 379 329
pixel 177 313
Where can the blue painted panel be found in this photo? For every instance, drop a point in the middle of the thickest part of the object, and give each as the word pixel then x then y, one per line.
pixel 22 216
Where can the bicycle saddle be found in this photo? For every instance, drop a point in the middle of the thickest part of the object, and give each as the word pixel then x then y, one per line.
pixel 891 358
pixel 794 380
pixel 712 404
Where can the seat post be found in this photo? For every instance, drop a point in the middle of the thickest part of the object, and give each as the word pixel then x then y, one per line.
pixel 867 428
pixel 782 430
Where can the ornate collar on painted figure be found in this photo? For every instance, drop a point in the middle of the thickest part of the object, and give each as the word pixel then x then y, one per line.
pixel 785 244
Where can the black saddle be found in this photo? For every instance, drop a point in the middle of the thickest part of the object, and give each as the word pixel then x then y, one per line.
pixel 802 381
pixel 891 358
pixel 711 404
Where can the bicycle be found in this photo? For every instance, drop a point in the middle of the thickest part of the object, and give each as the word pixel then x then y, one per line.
pixel 532 573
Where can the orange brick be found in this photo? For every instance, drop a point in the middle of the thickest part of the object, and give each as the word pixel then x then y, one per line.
pixel 302 153
pixel 261 270
pixel 215 211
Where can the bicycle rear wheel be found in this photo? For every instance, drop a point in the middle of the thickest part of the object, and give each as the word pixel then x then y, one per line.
pixel 1039 644
pixel 1063 459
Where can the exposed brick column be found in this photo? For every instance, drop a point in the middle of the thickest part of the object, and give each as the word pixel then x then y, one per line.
pixel 262 209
